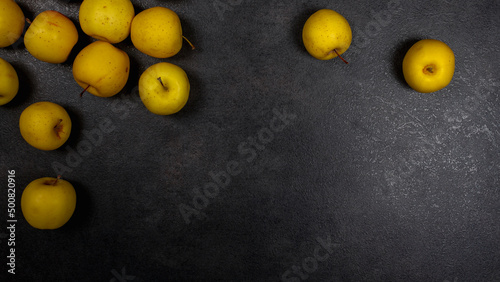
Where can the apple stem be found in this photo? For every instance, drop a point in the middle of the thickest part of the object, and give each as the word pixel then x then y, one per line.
pixel 191 44
pixel 335 50
pixel 84 90
pixel 53 182
pixel 28 21
pixel 58 128
pixel 161 82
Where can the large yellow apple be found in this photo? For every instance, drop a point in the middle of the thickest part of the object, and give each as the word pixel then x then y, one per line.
pixel 326 34
pixel 157 32
pixel 9 82
pixel 106 20
pixel 429 65
pixel 164 88
pixel 48 203
pixel 101 69
pixel 45 125
pixel 51 37
pixel 12 22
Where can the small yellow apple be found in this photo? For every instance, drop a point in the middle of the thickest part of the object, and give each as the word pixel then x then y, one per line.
pixel 45 125
pixel 12 22
pixel 106 20
pixel 157 32
pixel 9 82
pixel 101 69
pixel 326 35
pixel 48 203
pixel 164 88
pixel 429 65
pixel 51 37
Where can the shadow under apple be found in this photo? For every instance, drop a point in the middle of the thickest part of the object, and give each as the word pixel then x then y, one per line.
pixel 398 56
pixel 83 210
pixel 295 33
pixel 195 95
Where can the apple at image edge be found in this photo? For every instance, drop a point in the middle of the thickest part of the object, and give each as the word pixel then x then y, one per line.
pixel 164 88
pixel 48 203
pixel 9 82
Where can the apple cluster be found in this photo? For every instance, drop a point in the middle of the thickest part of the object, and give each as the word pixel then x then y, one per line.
pixel 100 68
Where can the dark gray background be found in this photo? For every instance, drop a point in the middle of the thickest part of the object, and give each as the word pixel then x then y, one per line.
pixel 404 185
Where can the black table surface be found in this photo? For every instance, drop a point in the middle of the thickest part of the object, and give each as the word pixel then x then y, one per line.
pixel 281 166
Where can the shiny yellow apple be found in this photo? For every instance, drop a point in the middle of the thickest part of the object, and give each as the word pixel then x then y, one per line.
pixel 9 82
pixel 106 20
pixel 429 65
pixel 51 37
pixel 326 34
pixel 101 69
pixel 12 22
pixel 157 32
pixel 48 203
pixel 164 88
pixel 45 125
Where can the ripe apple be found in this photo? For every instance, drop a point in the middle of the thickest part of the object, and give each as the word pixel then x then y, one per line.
pixel 12 22
pixel 51 37
pixel 326 35
pixel 48 203
pixel 429 65
pixel 101 69
pixel 106 20
pixel 157 32
pixel 45 125
pixel 9 82
pixel 164 88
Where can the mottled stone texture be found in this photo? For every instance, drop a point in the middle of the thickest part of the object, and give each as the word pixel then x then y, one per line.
pixel 285 167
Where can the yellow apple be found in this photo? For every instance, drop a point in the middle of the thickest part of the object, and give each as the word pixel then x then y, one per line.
pixel 157 32
pixel 101 69
pixel 9 82
pixel 164 88
pixel 45 125
pixel 48 203
pixel 12 22
pixel 51 37
pixel 326 35
pixel 429 65
pixel 106 20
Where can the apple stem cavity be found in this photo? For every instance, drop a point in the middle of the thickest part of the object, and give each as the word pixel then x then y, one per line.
pixel 58 128
pixel 429 69
pixel 191 44
pixel 84 90
pixel 338 55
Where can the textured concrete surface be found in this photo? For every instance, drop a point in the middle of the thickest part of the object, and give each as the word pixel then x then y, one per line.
pixel 280 167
